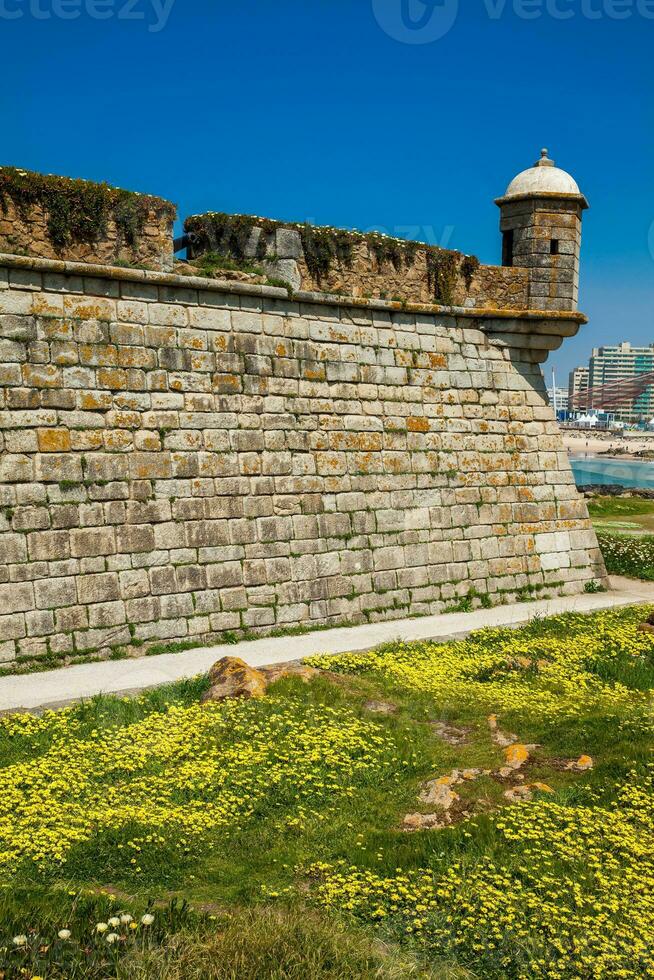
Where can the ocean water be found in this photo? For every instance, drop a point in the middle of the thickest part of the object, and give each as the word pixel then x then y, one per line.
pixel 625 473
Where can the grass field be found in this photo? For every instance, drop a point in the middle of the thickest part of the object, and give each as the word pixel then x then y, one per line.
pixel 281 820
pixel 631 514
pixel 625 531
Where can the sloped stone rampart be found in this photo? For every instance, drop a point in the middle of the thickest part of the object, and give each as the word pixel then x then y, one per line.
pixel 181 459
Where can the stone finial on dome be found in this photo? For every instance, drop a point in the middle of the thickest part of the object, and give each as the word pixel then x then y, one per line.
pixel 544 159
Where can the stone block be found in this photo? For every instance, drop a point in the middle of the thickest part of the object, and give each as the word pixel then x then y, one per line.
pixel 8 648
pixel 134 583
pixel 13 548
pixel 163 580
pixel 30 518
pixel 58 468
pixel 135 538
pixel 96 639
pixel 176 606
pixel 15 301
pixel 16 468
pixel 16 597
pixel 12 627
pixel 48 545
pixel 105 614
pixel 143 610
pixel 55 592
pixel 92 542
pixel 228 575
pixel 98 588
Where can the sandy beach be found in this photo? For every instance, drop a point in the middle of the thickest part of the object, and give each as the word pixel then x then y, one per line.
pixel 609 444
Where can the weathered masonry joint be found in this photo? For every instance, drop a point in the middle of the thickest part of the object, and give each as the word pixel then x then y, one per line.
pixel 184 457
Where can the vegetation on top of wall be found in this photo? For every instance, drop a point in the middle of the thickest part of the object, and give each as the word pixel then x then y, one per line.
pixel 469 266
pixel 323 246
pixel 230 235
pixel 444 267
pixel 392 251
pixel 212 263
pixel 442 274
pixel 78 211
pixel 235 235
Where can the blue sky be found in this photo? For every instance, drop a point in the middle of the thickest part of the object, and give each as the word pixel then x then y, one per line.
pixel 330 111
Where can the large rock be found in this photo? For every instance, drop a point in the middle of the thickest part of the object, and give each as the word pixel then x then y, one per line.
pixel 380 707
pixel 450 734
pixel 426 821
pixel 233 678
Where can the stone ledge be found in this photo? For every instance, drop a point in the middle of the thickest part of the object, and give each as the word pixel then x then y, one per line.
pixel 118 273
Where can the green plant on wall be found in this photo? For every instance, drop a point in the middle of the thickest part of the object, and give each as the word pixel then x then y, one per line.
pixel 469 266
pixel 229 235
pixel 442 274
pixel 79 211
pixel 391 251
pixel 323 247
pixel 444 267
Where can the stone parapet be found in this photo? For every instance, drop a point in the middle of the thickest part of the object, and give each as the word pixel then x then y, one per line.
pixel 59 218
pixel 369 266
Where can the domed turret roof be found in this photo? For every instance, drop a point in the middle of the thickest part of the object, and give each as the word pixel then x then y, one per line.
pixel 543 178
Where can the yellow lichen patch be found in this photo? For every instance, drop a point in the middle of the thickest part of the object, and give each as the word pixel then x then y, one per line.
pixel 95 400
pixel 584 764
pixel 45 305
pixel 54 440
pixel 414 424
pixel 516 756
pixel 84 309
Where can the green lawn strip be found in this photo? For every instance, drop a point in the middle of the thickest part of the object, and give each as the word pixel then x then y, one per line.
pixel 607 508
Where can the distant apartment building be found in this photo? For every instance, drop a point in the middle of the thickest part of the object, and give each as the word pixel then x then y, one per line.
pixel 577 388
pixel 558 398
pixel 618 367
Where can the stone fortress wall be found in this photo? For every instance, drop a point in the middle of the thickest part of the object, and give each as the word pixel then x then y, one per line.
pixel 185 458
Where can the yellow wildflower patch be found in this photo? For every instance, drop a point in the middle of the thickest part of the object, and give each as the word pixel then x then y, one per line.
pixel 479 672
pixel 569 895
pixel 177 775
